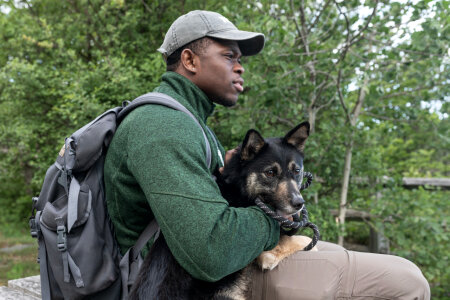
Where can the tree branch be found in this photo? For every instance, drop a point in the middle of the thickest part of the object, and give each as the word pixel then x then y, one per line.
pixel 341 97
pixel 317 18
pixel 359 35
pixel 347 38
pixel 406 92
pixel 389 44
pixel 147 8
pixel 303 30
pixel 323 85
pixel 297 27
pixel 385 118
pixel 327 103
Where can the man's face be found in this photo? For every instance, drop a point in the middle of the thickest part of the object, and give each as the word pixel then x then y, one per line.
pixel 219 72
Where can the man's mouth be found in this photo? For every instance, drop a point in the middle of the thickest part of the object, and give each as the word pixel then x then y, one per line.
pixel 238 84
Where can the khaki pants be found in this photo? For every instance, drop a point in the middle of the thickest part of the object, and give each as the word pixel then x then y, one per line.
pixel 335 273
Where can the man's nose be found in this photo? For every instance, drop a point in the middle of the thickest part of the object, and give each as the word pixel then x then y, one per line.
pixel 238 68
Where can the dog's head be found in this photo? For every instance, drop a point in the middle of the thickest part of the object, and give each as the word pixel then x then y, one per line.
pixel 272 169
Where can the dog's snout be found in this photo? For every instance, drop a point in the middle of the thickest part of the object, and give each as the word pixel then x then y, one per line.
pixel 297 201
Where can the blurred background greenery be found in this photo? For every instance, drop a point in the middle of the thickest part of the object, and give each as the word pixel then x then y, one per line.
pixel 372 77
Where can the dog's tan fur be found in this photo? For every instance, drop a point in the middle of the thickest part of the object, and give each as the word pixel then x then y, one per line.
pixel 287 245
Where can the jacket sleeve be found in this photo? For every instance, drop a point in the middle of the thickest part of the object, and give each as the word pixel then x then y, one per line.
pixel 207 237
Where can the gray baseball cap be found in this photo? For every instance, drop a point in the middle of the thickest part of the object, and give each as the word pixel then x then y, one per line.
pixel 200 23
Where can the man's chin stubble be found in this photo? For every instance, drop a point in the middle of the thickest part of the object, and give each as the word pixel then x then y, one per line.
pixel 226 102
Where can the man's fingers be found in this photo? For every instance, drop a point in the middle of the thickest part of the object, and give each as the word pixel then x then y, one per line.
pixel 228 155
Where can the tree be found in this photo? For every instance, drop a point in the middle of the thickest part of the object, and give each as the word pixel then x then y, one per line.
pixel 360 72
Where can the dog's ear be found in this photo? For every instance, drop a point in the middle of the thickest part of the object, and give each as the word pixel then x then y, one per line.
pixel 298 135
pixel 253 143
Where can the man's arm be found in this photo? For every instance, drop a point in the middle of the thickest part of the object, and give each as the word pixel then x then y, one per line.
pixel 206 236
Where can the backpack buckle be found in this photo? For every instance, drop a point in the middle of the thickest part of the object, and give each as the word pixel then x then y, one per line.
pixel 62 238
pixel 34 201
pixel 32 221
pixel 33 227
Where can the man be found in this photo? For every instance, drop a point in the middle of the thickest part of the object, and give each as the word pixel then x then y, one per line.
pixel 155 168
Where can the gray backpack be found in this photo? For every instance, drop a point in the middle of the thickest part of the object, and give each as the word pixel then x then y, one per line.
pixel 78 255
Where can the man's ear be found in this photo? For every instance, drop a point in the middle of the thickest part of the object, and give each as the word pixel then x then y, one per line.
pixel 189 60
pixel 253 143
pixel 298 135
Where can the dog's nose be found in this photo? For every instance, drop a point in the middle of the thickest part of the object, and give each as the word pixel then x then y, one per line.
pixel 297 201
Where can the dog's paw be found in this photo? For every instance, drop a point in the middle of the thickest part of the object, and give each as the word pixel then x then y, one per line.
pixel 287 246
pixel 268 260
pixel 299 242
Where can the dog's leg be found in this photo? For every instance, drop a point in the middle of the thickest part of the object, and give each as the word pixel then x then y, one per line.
pixel 286 246
pixel 239 288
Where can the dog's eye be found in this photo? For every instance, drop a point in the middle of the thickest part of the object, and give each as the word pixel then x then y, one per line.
pixel 270 173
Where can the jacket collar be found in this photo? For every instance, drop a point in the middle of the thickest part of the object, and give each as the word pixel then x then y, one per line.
pixel 187 93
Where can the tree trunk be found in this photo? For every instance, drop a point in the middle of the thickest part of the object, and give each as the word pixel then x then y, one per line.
pixel 353 119
pixel 344 191
pixel 312 119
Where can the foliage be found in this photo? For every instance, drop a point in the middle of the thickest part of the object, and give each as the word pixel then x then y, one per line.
pixel 16 262
pixel 416 224
pixel 63 62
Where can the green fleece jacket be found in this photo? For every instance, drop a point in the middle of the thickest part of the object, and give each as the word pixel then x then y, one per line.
pixel 156 167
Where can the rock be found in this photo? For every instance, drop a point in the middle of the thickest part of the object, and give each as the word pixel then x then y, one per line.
pixel 7 293
pixel 28 288
pixel 30 285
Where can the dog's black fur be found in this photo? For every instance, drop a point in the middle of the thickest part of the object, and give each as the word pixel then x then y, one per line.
pixel 270 169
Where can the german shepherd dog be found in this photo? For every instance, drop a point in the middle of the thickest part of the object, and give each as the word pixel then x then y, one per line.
pixel 271 169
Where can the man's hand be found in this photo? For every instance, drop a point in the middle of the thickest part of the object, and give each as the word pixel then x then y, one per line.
pixel 228 156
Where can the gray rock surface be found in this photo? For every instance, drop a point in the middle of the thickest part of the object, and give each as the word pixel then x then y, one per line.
pixel 28 288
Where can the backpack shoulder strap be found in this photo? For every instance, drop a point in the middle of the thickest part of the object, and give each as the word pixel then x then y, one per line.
pixel 130 263
pixel 163 99
pixel 152 229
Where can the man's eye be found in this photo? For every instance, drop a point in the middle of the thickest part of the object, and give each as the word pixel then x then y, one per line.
pixel 270 173
pixel 297 171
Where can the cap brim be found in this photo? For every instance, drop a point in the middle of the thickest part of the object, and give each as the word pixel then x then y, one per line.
pixel 250 43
